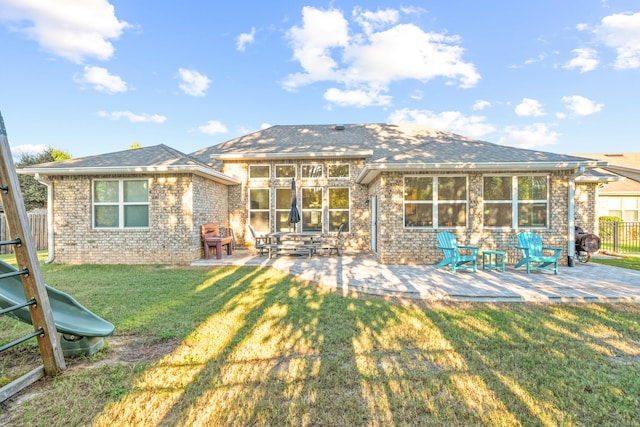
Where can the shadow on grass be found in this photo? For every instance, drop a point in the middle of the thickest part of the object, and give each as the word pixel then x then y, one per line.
pixel 258 348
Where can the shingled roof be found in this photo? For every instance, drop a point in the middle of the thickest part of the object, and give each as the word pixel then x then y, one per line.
pixel 407 146
pixel 155 159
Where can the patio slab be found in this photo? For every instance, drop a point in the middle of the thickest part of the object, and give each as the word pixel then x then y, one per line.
pixel 360 272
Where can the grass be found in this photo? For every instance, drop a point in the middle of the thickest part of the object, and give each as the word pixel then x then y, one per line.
pixel 631 262
pixel 255 347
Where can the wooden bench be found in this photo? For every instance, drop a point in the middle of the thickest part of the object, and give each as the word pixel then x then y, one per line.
pixel 211 239
pixel 290 248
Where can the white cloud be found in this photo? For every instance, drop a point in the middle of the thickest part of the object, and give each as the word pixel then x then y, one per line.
pixel 541 57
pixel 581 106
pixel 586 59
pixel 367 62
pixel 481 104
pixel 536 135
pixel 193 83
pixel 622 33
pixel 20 150
pixel 132 117
pixel 370 21
pixel 244 39
pixel 357 97
pixel 101 80
pixel 450 121
pixel 529 107
pixel 71 29
pixel 212 127
pixel 265 126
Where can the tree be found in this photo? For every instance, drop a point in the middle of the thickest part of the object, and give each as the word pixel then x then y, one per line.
pixel 34 193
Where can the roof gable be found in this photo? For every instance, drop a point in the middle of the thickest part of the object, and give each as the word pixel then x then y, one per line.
pixel 406 146
pixel 145 160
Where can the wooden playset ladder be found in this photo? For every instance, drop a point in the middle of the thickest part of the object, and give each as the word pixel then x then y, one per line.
pixel 29 270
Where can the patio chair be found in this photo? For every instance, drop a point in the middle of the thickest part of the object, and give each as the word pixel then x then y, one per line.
pixel 448 243
pixel 533 256
pixel 260 242
pixel 332 243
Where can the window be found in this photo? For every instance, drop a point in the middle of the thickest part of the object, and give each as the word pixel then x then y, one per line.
pixel 120 203
pixel 285 171
pixel 516 201
pixel 339 171
pixel 418 201
pixel 259 172
pixel 312 209
pixel 339 209
pixel 498 201
pixel 259 214
pixel 532 201
pixel 283 207
pixel 625 207
pixel 311 171
pixel 435 201
pixel 452 201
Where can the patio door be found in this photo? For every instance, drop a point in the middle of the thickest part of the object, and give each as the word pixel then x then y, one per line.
pixel 373 205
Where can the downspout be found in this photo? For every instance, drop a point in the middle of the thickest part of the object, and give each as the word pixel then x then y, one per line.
pixel 571 250
pixel 50 240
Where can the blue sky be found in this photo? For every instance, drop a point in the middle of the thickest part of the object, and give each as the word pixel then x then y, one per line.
pixel 93 76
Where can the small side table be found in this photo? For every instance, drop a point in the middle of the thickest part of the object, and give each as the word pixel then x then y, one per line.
pixel 493 259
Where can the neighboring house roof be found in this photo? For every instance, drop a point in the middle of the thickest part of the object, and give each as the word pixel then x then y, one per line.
pixel 386 147
pixel 622 165
pixel 155 159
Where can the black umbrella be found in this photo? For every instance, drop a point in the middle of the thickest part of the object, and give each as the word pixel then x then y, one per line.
pixel 294 215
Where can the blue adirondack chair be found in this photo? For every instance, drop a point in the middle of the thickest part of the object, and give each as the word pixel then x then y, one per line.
pixel 533 253
pixel 448 243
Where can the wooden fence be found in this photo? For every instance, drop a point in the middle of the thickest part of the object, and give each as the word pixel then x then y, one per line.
pixel 38 224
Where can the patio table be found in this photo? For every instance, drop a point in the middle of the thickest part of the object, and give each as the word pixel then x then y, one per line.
pixel 495 260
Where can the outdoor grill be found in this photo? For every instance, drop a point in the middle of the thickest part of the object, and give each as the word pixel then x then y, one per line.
pixel 586 244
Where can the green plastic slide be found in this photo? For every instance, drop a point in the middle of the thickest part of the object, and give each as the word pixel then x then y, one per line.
pixel 70 317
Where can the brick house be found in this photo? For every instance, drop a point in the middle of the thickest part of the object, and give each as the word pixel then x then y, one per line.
pixel 393 186
pixel 620 194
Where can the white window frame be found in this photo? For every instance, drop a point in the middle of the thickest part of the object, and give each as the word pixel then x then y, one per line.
pixel 434 202
pixel 315 165
pixel 259 178
pixel 289 165
pixel 347 227
pixel 515 201
pixel 320 210
pixel 121 204
pixel 268 209
pixel 278 210
pixel 339 177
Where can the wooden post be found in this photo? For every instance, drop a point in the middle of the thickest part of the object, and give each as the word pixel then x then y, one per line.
pixel 27 257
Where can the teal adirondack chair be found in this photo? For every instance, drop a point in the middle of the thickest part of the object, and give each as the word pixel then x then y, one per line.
pixel 448 243
pixel 533 253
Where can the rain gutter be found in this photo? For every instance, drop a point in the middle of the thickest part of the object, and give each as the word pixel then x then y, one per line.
pixel 371 170
pixel 50 240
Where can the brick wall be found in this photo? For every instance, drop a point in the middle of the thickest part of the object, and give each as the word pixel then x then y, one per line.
pixel 586 207
pixel 173 236
pixel 397 245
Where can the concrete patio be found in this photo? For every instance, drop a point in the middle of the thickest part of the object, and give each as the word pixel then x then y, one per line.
pixel 360 272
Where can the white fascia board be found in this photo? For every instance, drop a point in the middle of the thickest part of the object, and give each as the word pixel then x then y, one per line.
pixel 134 170
pixel 370 171
pixel 359 154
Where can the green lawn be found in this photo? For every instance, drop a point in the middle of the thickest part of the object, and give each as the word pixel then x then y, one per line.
pixel 251 346
pixel 632 262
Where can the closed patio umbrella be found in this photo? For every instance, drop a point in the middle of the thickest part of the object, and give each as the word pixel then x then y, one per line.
pixel 294 215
